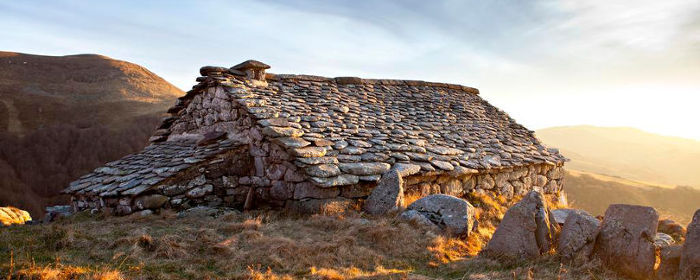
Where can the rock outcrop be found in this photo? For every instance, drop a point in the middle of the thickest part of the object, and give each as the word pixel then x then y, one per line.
pixel 577 237
pixel 690 254
pixel 526 231
pixel 626 240
pixel 452 214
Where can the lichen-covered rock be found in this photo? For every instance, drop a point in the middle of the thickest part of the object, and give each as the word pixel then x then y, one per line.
pixel 577 236
pixel 452 214
pixel 690 254
pixel 365 168
pixel 406 169
pixel 307 152
pixel 387 196
pixel 340 180
pixel 560 215
pixel 323 170
pixel 275 131
pixel 416 218
pixel 525 231
pixel 626 240
pixel 199 191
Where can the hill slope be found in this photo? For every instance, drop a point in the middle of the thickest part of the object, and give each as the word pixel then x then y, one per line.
pixel 63 116
pixel 628 153
pixel 584 192
pixel 38 91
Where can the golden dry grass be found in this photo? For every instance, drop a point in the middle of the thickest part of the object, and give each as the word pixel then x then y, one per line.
pixel 260 245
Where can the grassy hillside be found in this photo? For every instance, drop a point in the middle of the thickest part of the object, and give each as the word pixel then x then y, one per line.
pixel 594 193
pixel 60 117
pixel 259 245
pixel 629 153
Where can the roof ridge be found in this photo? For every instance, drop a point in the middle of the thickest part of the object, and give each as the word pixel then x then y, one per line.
pixel 358 80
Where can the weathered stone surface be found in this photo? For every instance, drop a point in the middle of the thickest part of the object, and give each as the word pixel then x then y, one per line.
pixel 199 191
pixel 282 190
pixel 174 190
pixel 387 195
pixel 364 168
pixel 626 240
pixel 153 201
pixel 370 178
pixel 524 232
pixel 292 142
pixel 356 191
pixel 690 254
pixel 452 214
pixel 281 122
pixel 452 187
pixel 577 237
pixel 318 160
pixel 308 152
pixel 416 218
pixel 323 170
pixel 406 169
pixel 541 181
pixel 275 131
pixel 360 143
pixel 340 180
pixel 486 182
pixel 308 190
pixel 444 150
pixel 560 215
pixel 442 165
pixel 670 259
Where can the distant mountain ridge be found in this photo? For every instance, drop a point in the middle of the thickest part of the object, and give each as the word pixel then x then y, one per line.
pixel 628 152
pixel 62 116
pixel 37 90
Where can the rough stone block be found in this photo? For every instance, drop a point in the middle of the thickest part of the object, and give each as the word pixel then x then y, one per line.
pixel 626 240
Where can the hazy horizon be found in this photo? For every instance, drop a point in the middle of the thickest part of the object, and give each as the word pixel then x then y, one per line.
pixel 546 63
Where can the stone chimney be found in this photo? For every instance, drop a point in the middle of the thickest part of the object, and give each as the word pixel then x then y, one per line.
pixel 253 69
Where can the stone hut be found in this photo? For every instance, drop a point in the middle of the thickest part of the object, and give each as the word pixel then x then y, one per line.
pixel 244 138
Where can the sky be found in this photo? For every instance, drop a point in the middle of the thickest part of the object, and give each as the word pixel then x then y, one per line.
pixel 546 63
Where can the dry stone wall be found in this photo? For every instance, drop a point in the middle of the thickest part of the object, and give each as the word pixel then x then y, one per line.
pixel 507 182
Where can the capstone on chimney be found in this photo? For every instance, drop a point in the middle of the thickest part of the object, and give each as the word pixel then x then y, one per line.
pixel 253 69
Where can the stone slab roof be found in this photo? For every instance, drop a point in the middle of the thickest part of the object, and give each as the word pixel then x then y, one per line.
pixel 363 126
pixel 138 172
